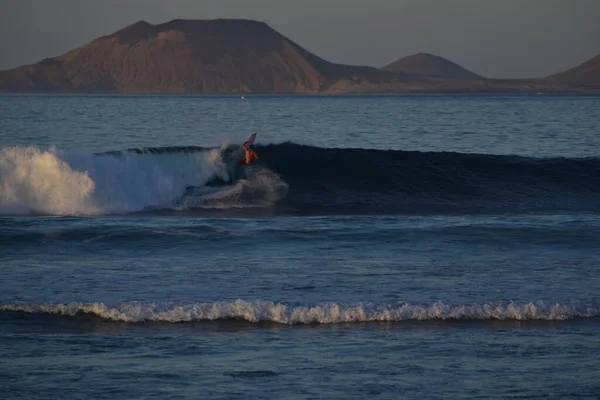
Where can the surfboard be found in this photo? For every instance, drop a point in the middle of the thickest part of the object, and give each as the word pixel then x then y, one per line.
pixel 250 139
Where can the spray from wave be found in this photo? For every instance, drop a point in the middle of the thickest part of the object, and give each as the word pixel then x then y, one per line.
pixel 51 182
pixel 261 188
pixel 262 311
pixel 32 180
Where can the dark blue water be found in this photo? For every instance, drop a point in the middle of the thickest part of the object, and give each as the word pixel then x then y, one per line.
pixel 382 247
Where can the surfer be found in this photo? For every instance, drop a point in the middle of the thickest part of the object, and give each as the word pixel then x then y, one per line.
pixel 250 154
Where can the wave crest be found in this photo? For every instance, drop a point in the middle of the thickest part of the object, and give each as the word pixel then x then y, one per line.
pixel 265 311
pixel 37 181
pixel 320 181
pixel 49 182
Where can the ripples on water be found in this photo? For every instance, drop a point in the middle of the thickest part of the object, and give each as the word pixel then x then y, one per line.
pixel 375 274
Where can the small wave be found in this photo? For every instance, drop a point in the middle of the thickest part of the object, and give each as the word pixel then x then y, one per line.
pixel 265 311
pixel 252 374
pixel 113 234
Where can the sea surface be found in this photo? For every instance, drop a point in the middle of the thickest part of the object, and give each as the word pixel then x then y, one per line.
pixel 382 247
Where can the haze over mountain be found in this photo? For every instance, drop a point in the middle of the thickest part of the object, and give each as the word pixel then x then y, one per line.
pixel 430 65
pixel 239 56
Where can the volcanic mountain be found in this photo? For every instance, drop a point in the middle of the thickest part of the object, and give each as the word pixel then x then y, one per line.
pixel 184 56
pixel 244 56
pixel 587 74
pixel 426 64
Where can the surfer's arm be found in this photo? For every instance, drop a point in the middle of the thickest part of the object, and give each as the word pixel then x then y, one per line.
pixel 249 152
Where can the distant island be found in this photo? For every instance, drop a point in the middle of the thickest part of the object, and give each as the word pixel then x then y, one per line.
pixel 238 56
pixel 426 64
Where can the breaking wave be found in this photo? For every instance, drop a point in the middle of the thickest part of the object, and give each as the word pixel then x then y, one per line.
pixel 51 182
pixel 295 179
pixel 265 311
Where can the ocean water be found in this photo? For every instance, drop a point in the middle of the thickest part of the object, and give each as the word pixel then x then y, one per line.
pixel 418 246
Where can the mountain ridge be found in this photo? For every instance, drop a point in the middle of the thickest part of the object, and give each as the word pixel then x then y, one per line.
pixel 238 56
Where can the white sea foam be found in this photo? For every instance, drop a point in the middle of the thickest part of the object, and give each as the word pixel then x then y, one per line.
pixel 262 188
pixel 32 180
pixel 255 311
pixel 36 181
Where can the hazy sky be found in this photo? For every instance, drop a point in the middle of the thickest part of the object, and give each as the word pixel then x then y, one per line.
pixel 495 38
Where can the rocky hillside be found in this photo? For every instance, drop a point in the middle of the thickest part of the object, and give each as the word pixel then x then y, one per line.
pixel 184 56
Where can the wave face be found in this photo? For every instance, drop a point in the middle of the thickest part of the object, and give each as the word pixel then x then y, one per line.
pixel 264 311
pixel 403 181
pixel 296 178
